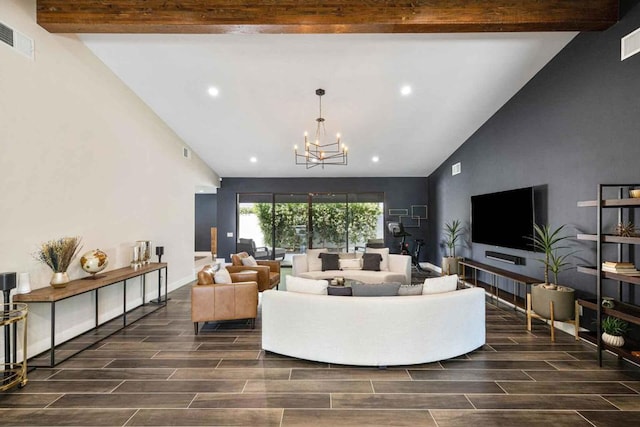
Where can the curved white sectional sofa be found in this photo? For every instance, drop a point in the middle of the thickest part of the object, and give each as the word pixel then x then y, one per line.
pixel 373 331
pixel 399 271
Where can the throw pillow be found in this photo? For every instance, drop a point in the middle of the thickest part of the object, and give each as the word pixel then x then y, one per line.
pixel 222 276
pixel 306 286
pixel 250 261
pixel 406 290
pixel 371 262
pixel 378 290
pixel 351 264
pixel 313 261
pixel 346 255
pixel 329 261
pixel 341 291
pixel 384 252
pixel 438 285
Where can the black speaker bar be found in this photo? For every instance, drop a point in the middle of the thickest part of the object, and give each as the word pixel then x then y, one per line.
pixel 510 259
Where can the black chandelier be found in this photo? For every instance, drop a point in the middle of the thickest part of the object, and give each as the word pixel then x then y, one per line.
pixel 317 153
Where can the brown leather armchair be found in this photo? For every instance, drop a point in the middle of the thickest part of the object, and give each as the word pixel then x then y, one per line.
pixel 268 270
pixel 212 301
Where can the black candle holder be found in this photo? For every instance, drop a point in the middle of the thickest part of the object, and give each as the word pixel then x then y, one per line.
pixel 159 252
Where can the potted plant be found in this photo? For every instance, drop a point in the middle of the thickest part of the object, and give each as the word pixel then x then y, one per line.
pixel 550 242
pixel 453 232
pixel 57 255
pixel 612 331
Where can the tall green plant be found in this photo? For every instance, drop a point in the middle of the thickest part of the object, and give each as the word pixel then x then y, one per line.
pixel 452 232
pixel 550 241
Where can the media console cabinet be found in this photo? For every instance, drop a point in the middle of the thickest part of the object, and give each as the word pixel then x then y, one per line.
pixel 51 296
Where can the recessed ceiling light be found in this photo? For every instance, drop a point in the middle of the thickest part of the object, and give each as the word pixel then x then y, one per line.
pixel 375 159
pixel 405 90
pixel 213 91
pixel 253 160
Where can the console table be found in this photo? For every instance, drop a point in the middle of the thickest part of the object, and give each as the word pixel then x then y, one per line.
pixel 496 272
pixel 51 296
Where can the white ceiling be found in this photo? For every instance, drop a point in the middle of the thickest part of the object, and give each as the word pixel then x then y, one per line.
pixel 267 95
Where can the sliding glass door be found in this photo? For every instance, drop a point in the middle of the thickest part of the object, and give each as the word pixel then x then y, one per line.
pixel 280 225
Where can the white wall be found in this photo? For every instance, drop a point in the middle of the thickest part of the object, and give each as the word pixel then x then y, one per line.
pixel 81 155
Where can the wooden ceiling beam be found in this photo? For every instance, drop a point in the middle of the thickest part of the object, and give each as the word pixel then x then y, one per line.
pixel 318 16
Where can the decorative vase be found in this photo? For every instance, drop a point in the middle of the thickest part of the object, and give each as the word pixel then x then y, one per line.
pixel 24 283
pixel 563 302
pixel 145 251
pixel 59 280
pixel 612 340
pixel 449 265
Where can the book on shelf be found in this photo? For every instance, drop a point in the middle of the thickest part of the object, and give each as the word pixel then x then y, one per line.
pixel 622 272
pixel 617 264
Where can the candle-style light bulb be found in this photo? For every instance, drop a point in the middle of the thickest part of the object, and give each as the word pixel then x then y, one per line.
pixel 295 148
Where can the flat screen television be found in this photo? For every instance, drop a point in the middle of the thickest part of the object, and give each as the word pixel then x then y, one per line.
pixel 504 219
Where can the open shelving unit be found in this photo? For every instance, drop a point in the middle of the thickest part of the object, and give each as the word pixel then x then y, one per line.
pixel 625 311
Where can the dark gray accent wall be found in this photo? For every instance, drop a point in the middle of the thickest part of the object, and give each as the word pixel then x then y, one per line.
pixel 206 217
pixel 398 193
pixel 574 125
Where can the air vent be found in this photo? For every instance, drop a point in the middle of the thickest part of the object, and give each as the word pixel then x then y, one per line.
pixel 16 40
pixel 456 169
pixel 630 45
pixel 186 153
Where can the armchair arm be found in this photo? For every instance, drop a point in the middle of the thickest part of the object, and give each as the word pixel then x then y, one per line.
pixel 263 272
pixel 244 276
pixel 273 265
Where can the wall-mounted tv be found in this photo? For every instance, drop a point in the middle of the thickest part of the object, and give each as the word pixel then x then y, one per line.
pixel 504 219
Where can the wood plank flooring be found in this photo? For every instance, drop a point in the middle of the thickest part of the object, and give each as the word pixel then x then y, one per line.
pixel 157 373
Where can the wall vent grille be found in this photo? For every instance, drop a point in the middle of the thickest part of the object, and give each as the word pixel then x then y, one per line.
pixel 186 153
pixel 6 34
pixel 16 40
pixel 456 169
pixel 630 45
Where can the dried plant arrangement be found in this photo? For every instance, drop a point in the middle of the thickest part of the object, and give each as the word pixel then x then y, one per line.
pixel 58 254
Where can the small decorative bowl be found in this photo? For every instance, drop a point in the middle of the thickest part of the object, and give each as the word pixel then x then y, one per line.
pixel 634 193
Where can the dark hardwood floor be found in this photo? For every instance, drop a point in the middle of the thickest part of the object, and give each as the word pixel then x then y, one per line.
pixel 157 373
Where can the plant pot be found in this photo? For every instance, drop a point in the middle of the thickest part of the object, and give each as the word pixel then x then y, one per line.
pixel 563 302
pixel 612 340
pixel 59 280
pixel 449 265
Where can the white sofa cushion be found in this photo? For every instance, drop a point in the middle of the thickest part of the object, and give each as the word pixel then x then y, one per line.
pixel 306 286
pixel 408 290
pixel 314 263
pixel 384 264
pixel 438 285
pixel 351 264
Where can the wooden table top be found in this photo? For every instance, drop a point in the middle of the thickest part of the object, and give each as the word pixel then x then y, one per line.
pixel 87 284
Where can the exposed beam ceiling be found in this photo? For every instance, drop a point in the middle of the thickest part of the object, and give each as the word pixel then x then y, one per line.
pixel 318 16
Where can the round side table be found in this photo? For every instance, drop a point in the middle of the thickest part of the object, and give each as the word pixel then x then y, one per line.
pixel 14 372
